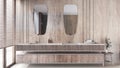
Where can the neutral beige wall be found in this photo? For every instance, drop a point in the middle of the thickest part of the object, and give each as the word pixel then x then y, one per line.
pixel 107 23
pixel 97 19
pixel 25 32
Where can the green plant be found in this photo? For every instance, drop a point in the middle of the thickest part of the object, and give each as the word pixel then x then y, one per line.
pixel 108 43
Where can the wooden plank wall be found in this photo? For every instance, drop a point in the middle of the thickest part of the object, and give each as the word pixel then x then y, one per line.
pixel 107 23
pixel 97 19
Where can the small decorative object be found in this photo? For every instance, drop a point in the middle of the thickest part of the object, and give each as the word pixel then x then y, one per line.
pixel 90 42
pixel 36 41
pixel 50 41
pixel 108 43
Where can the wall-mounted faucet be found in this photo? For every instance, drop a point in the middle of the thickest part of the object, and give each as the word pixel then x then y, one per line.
pixel 36 41
pixel 50 41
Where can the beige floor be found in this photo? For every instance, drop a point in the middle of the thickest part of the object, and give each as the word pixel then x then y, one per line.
pixel 62 66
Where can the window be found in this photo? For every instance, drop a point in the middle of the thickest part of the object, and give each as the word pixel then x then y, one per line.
pixel 9 55
pixel 70 19
pixel 1 58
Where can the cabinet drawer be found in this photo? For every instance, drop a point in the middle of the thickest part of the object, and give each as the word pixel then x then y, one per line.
pixel 61 58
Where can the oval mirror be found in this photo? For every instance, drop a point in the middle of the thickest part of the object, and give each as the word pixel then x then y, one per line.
pixel 70 19
pixel 40 14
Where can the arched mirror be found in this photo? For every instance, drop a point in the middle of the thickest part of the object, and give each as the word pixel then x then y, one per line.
pixel 70 19
pixel 40 14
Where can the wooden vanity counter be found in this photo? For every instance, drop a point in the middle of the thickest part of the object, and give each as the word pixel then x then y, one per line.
pixel 61 47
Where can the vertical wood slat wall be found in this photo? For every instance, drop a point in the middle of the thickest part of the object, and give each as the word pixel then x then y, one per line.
pixel 91 18
pixel 97 19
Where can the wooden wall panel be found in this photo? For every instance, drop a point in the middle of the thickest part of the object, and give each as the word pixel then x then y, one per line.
pixel 106 24
pixel 97 19
pixel 79 36
pixel 18 4
pixel 91 15
pixel 55 20
pixel 32 36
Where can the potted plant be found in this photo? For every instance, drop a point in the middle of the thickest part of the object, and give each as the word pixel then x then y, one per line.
pixel 108 44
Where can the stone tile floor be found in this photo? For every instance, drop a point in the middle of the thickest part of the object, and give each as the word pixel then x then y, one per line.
pixel 62 66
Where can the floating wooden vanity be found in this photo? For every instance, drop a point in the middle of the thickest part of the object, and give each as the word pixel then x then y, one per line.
pixel 61 53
